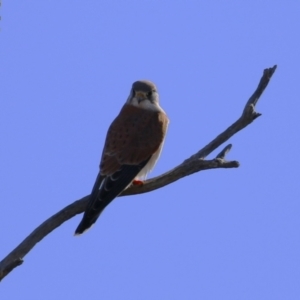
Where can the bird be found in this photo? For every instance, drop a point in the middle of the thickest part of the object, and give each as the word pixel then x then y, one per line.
pixel 132 147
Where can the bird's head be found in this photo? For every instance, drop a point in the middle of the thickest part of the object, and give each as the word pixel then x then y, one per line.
pixel 143 94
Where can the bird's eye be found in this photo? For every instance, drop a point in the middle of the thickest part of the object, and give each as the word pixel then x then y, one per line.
pixel 133 92
pixel 149 94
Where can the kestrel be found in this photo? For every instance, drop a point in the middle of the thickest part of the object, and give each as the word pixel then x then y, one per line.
pixel 133 144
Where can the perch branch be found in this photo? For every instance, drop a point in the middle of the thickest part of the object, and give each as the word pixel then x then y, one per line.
pixel 191 165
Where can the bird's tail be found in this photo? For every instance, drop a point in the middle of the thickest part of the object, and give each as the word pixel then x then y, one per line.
pixel 86 223
pixel 93 210
pixel 107 188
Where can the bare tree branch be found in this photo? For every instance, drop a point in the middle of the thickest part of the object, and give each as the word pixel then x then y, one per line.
pixel 191 165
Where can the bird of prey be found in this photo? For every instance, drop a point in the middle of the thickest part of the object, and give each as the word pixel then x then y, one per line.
pixel 133 144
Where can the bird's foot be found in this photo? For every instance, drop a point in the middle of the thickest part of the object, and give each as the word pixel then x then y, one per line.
pixel 137 182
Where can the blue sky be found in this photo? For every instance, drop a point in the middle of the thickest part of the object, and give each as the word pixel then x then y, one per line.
pixel 66 70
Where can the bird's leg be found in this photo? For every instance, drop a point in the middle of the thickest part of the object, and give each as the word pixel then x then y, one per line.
pixel 137 182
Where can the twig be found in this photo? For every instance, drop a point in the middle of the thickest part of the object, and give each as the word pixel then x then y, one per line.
pixel 191 165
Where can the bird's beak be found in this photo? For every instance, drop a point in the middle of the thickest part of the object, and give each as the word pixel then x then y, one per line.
pixel 140 96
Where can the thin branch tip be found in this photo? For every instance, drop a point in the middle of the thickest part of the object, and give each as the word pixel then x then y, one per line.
pixel 272 69
pixel 256 115
pixel 237 163
pixel 224 164
pixel 224 152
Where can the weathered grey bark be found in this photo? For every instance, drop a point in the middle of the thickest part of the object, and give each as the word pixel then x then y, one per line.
pixel 191 165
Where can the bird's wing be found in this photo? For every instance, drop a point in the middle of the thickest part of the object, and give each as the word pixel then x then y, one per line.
pixel 131 140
